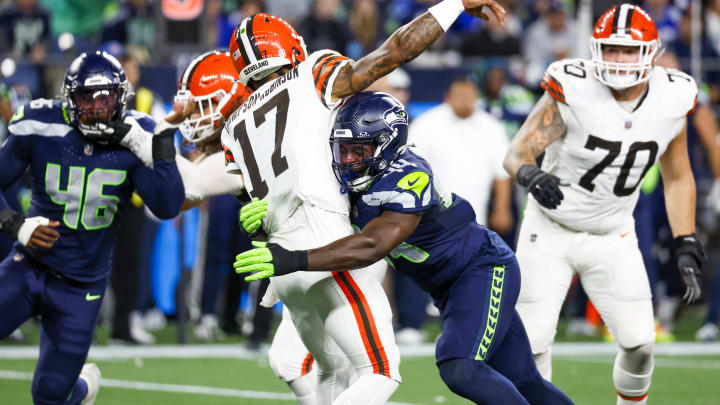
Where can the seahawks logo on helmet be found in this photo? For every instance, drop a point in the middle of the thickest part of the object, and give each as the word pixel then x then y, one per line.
pixel 395 116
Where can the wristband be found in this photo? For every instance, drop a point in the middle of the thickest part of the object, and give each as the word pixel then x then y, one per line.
pixel 526 173
pixel 163 147
pixel 446 12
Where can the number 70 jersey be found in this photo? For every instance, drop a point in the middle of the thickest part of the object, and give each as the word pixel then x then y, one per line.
pixel 607 149
pixel 279 140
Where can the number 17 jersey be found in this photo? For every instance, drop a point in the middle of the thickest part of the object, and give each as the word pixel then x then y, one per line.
pixel 607 149
pixel 278 140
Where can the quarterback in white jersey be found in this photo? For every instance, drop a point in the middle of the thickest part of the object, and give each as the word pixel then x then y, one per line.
pixel 278 141
pixel 602 124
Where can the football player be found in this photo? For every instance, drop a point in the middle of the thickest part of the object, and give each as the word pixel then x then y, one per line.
pixel 277 140
pixel 81 173
pixel 483 353
pixel 211 82
pixel 602 123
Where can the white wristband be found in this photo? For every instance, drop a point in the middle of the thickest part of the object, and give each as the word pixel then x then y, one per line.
pixel 446 12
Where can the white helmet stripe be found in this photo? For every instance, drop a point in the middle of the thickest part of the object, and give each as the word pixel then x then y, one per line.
pixel 624 19
pixel 247 47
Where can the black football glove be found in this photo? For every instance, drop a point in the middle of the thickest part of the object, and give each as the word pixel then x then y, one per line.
pixel 543 186
pixel 690 256
pixel 111 133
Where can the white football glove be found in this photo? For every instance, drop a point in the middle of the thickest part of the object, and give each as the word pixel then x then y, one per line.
pixel 139 142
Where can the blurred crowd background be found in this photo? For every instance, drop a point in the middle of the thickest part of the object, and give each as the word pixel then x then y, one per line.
pixel 467 96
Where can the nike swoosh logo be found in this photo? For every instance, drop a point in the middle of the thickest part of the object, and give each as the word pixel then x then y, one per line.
pixel 622 235
pixel 89 297
pixel 411 183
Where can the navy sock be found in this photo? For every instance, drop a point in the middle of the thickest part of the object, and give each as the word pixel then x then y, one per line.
pixel 78 393
pixel 478 382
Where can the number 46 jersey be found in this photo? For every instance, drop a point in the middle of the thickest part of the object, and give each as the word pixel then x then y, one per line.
pixel 278 140
pixel 607 149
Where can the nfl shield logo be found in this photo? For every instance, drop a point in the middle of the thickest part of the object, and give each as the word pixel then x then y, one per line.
pixel 533 237
pixel 628 124
pixel 88 149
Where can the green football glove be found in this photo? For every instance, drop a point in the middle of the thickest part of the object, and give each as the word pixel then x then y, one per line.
pixel 251 215
pixel 270 260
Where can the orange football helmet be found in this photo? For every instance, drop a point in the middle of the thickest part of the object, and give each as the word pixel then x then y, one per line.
pixel 210 78
pixel 625 25
pixel 262 44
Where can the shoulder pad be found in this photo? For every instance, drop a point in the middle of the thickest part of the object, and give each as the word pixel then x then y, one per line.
pixel 325 65
pixel 406 185
pixel 563 76
pixel 679 87
pixel 41 117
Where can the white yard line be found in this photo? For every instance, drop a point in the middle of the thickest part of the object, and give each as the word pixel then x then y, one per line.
pixel 177 388
pixel 427 350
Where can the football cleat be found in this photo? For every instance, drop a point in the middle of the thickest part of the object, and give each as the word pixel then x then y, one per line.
pixel 91 374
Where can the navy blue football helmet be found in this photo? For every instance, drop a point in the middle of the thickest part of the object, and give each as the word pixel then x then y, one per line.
pixel 96 91
pixel 369 133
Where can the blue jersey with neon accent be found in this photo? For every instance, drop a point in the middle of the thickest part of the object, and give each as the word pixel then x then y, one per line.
pixel 446 240
pixel 82 185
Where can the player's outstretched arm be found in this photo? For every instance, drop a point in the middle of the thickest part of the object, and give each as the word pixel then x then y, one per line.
pixel 406 43
pixel 377 239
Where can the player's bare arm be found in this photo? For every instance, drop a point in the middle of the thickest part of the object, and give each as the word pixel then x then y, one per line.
pixel 679 186
pixel 680 207
pixel 404 45
pixel 378 238
pixel 542 127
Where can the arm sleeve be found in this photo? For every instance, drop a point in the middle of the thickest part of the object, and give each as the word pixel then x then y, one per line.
pixel 161 187
pixel 14 159
pixel 208 178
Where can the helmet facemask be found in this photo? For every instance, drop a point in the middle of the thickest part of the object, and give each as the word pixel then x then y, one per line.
pixel 622 75
pixel 357 175
pixel 94 107
pixel 209 119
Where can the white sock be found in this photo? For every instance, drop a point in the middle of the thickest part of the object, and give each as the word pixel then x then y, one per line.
pixel 368 389
pixel 543 361
pixel 304 388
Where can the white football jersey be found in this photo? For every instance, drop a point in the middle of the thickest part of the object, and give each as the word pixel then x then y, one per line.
pixel 279 140
pixel 607 149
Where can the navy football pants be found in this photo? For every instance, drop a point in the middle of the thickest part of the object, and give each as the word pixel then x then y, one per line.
pixel 68 315
pixel 484 353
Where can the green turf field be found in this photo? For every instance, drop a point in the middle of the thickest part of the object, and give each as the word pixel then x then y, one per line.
pixel 678 380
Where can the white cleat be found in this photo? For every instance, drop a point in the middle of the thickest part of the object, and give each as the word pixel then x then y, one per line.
pixel 707 333
pixel 91 374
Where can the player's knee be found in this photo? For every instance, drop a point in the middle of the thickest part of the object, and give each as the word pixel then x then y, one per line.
pixel 51 389
pixel 459 374
pixel 637 360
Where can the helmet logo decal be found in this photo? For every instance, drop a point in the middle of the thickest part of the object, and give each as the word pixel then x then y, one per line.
pixel 395 116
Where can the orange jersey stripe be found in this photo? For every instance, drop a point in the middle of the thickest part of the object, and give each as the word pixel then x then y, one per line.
pixel 323 70
pixel 365 322
pixel 634 399
pixel 553 87
pixel 307 364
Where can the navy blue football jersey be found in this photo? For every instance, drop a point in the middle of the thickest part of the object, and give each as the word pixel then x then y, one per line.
pixel 446 240
pixel 82 185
